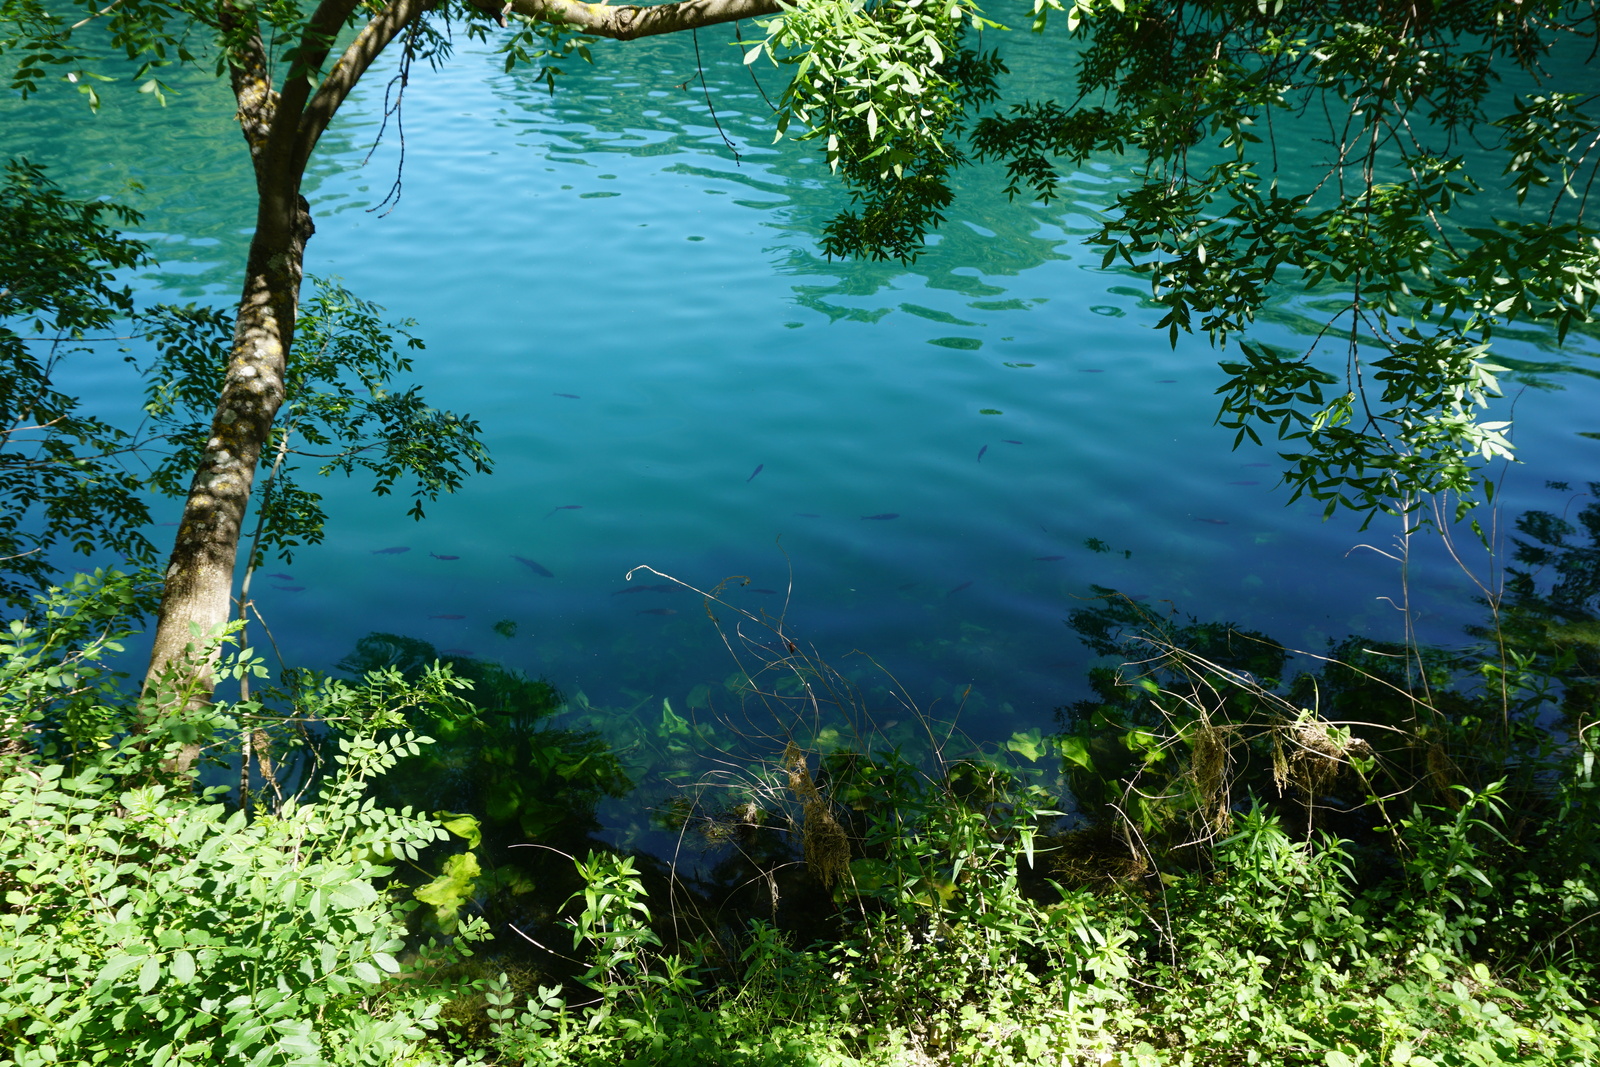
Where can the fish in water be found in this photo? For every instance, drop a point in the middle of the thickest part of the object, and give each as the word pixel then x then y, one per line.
pixel 537 568
pixel 657 611
pixel 282 577
pixel 565 507
pixel 569 396
pixel 436 555
pixel 769 592
pixel 393 550
pixel 1048 559
pixel 456 651
pixel 884 517
pixel 981 451
pixel 662 588
pixel 446 616
pixel 290 588
pixel 807 515
pixel 759 468
pixel 958 589
pixel 1008 441
pixel 1089 370
pixel 1214 522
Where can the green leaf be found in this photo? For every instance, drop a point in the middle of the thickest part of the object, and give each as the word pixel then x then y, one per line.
pixel 1030 746
pixel 353 894
pixel 118 966
pixel 463 826
pixel 672 724
pixel 149 974
pixel 452 888
pixel 318 903
pixel 1075 750
pixel 182 967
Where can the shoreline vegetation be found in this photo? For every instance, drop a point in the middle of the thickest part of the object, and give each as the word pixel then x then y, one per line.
pixel 1369 862
pixel 1373 855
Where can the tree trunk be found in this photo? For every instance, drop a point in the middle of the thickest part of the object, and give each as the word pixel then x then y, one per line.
pixel 281 128
pixel 196 599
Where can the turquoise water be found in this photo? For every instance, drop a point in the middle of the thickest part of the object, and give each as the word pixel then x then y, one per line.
pixel 739 405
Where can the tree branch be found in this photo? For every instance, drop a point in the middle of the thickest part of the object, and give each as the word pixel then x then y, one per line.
pixel 629 21
pixel 306 61
pixel 249 76
pixel 368 45
pixel 623 23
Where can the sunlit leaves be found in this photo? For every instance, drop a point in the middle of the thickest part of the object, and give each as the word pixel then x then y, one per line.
pixel 146 919
pixel 884 88
pixel 448 892
pixel 1548 139
pixel 1377 221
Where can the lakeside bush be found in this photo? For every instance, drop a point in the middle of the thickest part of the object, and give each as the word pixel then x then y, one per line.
pixel 146 920
pixel 950 919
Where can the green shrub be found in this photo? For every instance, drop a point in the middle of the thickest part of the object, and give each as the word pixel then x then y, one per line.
pixel 146 921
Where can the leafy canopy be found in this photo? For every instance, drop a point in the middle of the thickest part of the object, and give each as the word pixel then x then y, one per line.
pixel 73 481
pixel 342 411
pixel 1343 149
pixel 61 474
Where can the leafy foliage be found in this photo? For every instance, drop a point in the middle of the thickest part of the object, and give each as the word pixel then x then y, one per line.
pixel 67 476
pixel 947 951
pixel 1278 957
pixel 60 472
pixel 517 774
pixel 542 43
pixel 887 86
pixel 1322 146
pixel 341 407
pixel 151 927
pixel 145 922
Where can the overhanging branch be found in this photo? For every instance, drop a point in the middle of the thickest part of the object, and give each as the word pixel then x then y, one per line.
pixel 623 23
pixel 308 57
pixel 368 45
pixel 630 21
